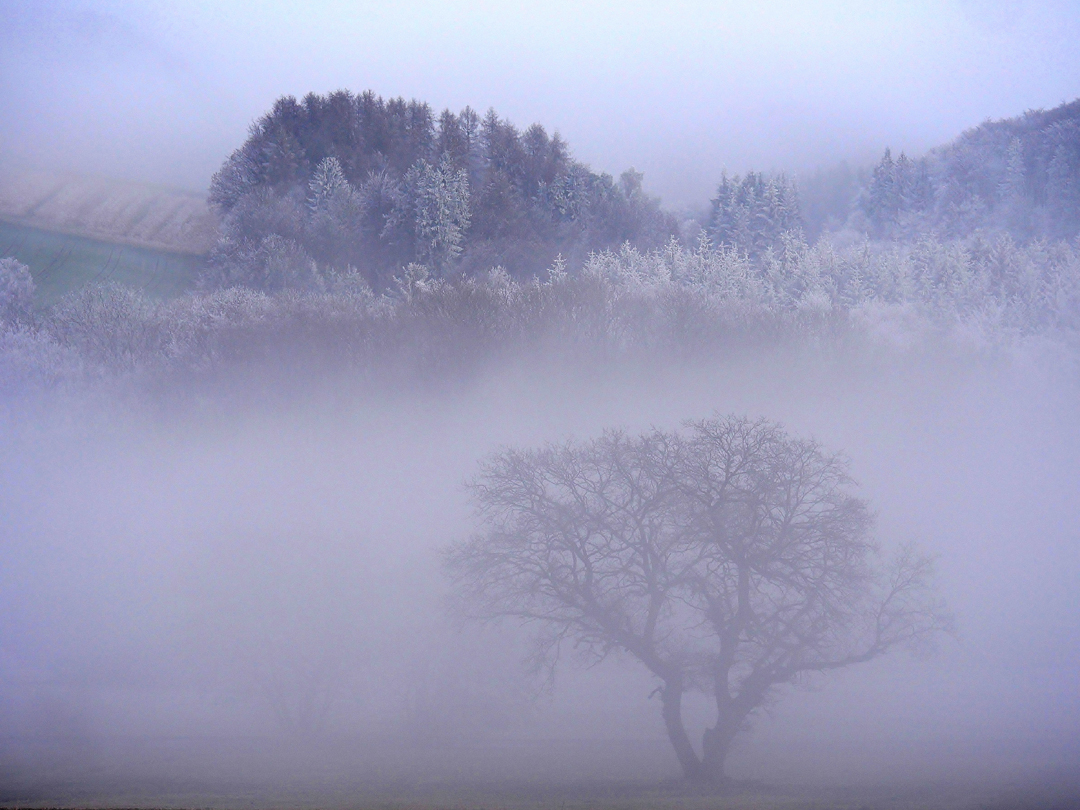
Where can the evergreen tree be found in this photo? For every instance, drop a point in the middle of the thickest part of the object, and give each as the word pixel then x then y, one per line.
pixel 343 177
pixel 327 184
pixel 441 200
pixel 1012 191
pixel 752 213
pixel 1019 175
pixel 882 203
pixel 1063 190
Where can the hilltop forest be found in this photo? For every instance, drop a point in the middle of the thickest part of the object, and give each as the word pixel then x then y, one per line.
pixel 357 181
pixel 1019 176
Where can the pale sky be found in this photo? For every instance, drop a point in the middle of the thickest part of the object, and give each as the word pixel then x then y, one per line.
pixel 162 92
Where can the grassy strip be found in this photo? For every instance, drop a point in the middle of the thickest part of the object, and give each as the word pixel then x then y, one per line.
pixel 60 263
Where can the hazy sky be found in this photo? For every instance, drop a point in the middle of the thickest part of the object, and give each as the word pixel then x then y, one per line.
pixel 164 91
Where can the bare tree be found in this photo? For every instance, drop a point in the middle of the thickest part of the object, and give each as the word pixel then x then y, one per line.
pixel 728 558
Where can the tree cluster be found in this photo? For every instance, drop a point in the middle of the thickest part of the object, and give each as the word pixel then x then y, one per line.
pixel 754 213
pixel 900 191
pixel 347 183
pixel 675 302
pixel 1020 175
pixel 355 181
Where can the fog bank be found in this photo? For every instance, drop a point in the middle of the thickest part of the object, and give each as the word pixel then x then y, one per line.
pixel 253 594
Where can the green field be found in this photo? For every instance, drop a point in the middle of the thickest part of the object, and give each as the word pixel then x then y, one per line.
pixel 61 264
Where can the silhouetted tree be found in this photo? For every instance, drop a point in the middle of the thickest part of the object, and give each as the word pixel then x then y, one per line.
pixel 729 558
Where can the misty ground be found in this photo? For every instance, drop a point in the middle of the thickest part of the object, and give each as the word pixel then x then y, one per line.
pixel 522 773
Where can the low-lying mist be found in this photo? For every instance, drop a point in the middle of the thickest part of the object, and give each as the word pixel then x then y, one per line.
pixel 247 590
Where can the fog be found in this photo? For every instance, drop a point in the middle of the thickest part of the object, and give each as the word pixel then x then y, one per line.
pixel 250 595
pixel 223 515
pixel 163 92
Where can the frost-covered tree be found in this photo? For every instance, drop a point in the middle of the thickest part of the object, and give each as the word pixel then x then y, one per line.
pixel 272 263
pixel 882 204
pixel 335 217
pixel 399 211
pixel 1063 187
pixel 440 199
pixel 327 185
pixel 986 290
pixel 751 213
pixel 16 290
pixel 1018 175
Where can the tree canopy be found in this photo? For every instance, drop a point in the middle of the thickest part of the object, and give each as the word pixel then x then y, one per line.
pixel 358 181
pixel 754 212
pixel 347 183
pixel 1020 175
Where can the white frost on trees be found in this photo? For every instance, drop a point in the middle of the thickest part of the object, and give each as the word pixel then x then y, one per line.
pixel 327 185
pixel 16 290
pixel 440 197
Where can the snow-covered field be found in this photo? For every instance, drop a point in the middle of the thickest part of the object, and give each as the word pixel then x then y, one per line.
pixel 111 210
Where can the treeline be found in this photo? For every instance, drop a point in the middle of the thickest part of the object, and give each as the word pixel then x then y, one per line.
pixel 1020 176
pixel 355 181
pixel 668 303
pixel 369 233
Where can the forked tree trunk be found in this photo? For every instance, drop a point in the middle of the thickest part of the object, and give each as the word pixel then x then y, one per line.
pixel 716 745
pixel 671 698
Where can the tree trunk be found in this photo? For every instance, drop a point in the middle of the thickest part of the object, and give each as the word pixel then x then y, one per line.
pixel 715 745
pixel 671 698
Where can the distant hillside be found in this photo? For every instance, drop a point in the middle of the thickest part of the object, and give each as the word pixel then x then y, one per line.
pixel 109 210
pixel 1020 175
